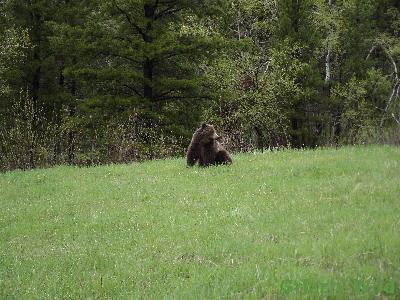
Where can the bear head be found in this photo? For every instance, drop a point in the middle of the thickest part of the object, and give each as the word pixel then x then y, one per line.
pixel 207 134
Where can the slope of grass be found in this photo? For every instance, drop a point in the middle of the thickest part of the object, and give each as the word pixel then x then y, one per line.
pixel 287 224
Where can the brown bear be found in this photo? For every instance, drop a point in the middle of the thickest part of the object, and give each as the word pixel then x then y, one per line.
pixel 206 149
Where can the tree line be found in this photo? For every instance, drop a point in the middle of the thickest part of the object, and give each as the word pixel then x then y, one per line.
pixel 89 82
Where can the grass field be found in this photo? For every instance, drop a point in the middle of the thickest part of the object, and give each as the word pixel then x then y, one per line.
pixel 279 225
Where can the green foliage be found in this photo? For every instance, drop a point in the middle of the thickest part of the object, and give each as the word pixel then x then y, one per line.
pixel 257 95
pixel 297 224
pixel 154 53
pixel 357 117
pixel 268 73
pixel 303 41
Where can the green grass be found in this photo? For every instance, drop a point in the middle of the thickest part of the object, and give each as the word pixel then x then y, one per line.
pixel 278 225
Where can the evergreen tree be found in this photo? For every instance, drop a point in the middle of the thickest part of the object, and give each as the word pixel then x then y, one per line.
pixel 31 73
pixel 116 80
pixel 146 55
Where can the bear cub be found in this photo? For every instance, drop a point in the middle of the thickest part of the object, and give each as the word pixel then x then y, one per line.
pixel 206 149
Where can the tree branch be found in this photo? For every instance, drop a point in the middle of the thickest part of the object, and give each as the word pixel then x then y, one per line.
pixel 156 4
pixel 169 10
pixel 395 90
pixel 395 93
pixel 130 21
pixel 397 120
pixel 133 90
pixel 370 52
pixel 119 56
pixel 181 97
pixel 163 94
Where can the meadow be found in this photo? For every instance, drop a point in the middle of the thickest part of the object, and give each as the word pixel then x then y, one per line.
pixel 289 224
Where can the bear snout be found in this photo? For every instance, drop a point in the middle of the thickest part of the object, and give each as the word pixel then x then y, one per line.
pixel 216 137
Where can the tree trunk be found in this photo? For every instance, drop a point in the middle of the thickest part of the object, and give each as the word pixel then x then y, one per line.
pixel 36 37
pixel 260 138
pixel 71 114
pixel 71 133
pixel 148 64
pixel 328 66
pixel 337 130
pixel 148 79
pixel 296 20
pixel 34 120
pixel 394 94
pixel 328 54
pixel 297 140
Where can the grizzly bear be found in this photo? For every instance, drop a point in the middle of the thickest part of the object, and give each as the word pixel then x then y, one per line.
pixel 206 149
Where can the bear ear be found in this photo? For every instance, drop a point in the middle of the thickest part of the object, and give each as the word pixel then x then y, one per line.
pixel 203 125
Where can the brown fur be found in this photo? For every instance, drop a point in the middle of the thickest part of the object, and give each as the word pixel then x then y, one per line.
pixel 206 149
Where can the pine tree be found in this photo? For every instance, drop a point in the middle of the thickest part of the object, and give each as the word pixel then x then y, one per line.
pixel 147 54
pixel 31 73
